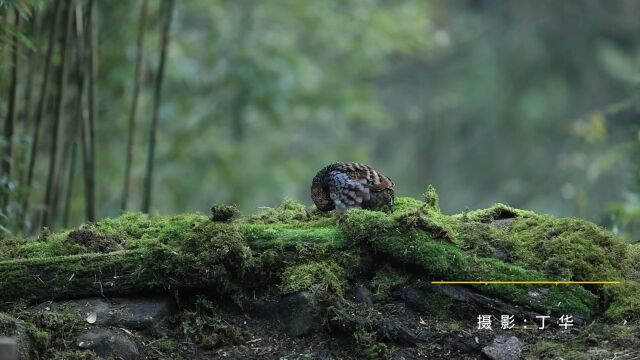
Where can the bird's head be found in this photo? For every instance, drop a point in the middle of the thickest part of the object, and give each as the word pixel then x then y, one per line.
pixel 319 196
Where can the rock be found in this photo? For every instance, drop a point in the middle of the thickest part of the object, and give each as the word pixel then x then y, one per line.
pixel 463 344
pixel 368 265
pixel 350 321
pixel 504 348
pixel 298 314
pixel 17 331
pixel 8 348
pixel 131 313
pixel 538 293
pixel 267 308
pixel 471 297
pixel 362 295
pixel 397 332
pixel 597 353
pixel 411 297
pixel 108 343
pixel 500 254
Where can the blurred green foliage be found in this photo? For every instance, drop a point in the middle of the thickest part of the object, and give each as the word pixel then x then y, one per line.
pixel 259 95
pixel 531 103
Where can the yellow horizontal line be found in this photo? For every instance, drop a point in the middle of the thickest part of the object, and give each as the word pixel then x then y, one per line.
pixel 528 282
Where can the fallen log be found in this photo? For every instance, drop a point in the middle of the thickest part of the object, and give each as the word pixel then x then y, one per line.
pixel 288 249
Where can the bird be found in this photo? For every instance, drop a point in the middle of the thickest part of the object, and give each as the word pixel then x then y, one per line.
pixel 345 185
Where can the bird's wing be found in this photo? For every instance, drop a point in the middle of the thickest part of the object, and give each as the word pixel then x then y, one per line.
pixel 368 175
pixel 345 191
pixel 379 182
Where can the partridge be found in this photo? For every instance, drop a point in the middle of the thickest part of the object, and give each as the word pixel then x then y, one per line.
pixel 345 185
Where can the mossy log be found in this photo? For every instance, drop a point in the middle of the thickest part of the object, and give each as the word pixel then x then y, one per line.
pixel 288 249
pixel 69 276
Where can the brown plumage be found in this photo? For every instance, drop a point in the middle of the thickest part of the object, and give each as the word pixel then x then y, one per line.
pixel 346 185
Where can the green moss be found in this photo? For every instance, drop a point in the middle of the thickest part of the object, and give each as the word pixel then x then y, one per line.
pixel 41 339
pixel 377 351
pixel 63 275
pixel 567 299
pixel 552 350
pixel 625 302
pixel 15 281
pixel 165 345
pixel 364 225
pixel 404 204
pixel 448 249
pixel 571 248
pixel 262 236
pixel 224 213
pixel 129 231
pixel 461 247
pixel 208 252
pixel 616 335
pixel 48 245
pixel 440 306
pixel 444 261
pixel 419 248
pixel 631 265
pixel 429 221
pixel 201 323
pixel 138 230
pixel 431 199
pixel 496 212
pixel 133 225
pixel 499 243
pixel 386 280
pixel 290 211
pixel 446 326
pixel 322 276
pixel 9 249
pixel 204 251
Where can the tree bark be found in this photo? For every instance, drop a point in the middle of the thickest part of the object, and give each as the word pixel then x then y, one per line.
pixel 41 101
pixel 70 276
pixel 134 103
pixel 79 123
pixel 70 178
pixel 31 64
pixel 90 172
pixel 55 128
pixel 11 114
pixel 148 181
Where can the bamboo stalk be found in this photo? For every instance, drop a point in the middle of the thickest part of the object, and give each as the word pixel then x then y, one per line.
pixel 93 71
pixel 157 98
pixel 11 114
pixel 55 129
pixel 134 103
pixel 41 102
